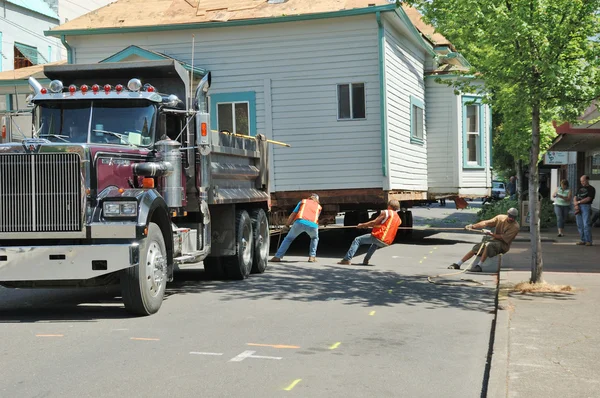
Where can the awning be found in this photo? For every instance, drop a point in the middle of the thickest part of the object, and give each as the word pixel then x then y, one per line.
pixel 31 53
pixel 576 142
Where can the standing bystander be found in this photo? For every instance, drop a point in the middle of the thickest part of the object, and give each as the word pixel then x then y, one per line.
pixel 562 203
pixel 583 210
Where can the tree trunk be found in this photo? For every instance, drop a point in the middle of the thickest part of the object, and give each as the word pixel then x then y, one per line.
pixel 519 183
pixel 534 208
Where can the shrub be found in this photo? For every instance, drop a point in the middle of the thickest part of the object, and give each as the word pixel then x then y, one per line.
pixel 547 216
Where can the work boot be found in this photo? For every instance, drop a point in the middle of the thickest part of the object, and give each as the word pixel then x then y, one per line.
pixel 454 266
pixel 580 243
pixel 344 262
pixel 275 260
pixel 312 259
pixel 475 268
pixel 365 263
pixel 588 243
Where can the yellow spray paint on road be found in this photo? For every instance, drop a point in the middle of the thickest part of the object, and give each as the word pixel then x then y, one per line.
pixel 291 386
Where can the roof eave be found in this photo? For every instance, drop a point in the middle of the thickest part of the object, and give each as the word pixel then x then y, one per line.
pixel 206 25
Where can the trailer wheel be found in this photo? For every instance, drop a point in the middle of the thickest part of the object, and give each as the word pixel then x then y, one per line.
pixel 262 240
pixel 240 265
pixel 143 286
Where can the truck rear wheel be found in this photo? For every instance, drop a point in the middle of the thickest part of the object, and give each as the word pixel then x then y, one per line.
pixel 240 265
pixel 143 285
pixel 262 241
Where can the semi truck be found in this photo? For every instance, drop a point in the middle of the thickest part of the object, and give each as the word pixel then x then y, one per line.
pixel 123 182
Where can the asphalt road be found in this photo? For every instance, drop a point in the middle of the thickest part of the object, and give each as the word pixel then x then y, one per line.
pixel 300 329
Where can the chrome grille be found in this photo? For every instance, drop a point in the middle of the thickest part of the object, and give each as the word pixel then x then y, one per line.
pixel 40 192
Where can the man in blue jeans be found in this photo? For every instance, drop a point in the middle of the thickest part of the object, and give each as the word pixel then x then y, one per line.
pixel 583 210
pixel 305 218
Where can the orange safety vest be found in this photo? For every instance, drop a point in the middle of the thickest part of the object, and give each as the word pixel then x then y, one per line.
pixel 386 232
pixel 309 210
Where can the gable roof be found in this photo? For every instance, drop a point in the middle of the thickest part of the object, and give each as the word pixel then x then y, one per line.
pixel 148 15
pixel 134 50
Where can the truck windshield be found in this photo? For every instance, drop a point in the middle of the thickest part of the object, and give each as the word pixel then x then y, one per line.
pixel 102 122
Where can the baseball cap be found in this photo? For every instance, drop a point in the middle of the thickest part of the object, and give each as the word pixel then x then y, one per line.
pixel 512 212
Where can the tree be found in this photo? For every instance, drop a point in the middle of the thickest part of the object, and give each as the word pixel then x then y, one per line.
pixel 538 59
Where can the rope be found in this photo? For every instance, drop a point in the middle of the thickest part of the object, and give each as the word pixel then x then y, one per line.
pixel 430 278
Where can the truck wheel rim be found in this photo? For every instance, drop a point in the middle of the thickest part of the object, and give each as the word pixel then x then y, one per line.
pixel 155 268
pixel 247 244
pixel 263 231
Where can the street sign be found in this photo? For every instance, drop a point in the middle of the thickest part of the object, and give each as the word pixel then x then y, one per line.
pixel 553 157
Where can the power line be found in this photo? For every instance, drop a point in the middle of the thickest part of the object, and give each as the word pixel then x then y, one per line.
pixel 79 5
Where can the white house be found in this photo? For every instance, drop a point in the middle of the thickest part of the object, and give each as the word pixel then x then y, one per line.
pixel 344 82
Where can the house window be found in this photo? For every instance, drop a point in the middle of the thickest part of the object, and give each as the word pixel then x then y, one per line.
pixel 417 129
pixel 234 112
pixel 351 101
pixel 25 56
pixel 233 117
pixel 472 133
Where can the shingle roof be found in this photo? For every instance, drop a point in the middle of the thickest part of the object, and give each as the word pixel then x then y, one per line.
pixel 147 13
pixel 24 73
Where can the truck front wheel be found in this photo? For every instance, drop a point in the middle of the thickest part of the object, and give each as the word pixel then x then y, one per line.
pixel 143 285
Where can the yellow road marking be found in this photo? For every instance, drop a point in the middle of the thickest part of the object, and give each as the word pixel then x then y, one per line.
pixel 49 335
pixel 421 262
pixel 144 339
pixel 431 252
pixel 291 386
pixel 372 313
pixel 390 291
pixel 435 248
pixel 399 282
pixel 424 257
pixel 336 345
pixel 273 345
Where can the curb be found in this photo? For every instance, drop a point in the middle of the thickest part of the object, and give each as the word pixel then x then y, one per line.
pixel 498 374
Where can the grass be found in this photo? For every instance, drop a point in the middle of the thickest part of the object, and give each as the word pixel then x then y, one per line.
pixel 527 287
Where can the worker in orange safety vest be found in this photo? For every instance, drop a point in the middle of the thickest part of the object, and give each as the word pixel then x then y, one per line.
pixel 385 227
pixel 304 218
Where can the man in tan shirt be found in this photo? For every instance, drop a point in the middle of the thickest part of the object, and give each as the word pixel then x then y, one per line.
pixel 506 229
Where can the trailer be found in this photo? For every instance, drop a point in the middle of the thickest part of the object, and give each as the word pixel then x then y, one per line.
pixel 124 182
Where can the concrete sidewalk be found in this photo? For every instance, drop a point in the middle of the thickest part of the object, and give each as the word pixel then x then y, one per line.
pixel 548 345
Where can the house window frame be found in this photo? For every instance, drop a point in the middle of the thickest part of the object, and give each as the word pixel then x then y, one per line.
pixel 248 97
pixel 416 103
pixel 591 167
pixel 468 100
pixel 337 95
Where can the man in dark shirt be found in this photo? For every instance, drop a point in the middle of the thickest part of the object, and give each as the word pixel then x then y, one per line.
pixel 583 210
pixel 511 188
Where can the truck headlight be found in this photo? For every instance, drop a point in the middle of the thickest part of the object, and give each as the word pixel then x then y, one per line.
pixel 119 209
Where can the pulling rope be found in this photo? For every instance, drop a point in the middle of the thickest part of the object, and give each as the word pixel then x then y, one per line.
pixel 430 278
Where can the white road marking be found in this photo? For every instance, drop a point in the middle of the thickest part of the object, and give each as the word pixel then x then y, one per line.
pixel 206 353
pixel 248 354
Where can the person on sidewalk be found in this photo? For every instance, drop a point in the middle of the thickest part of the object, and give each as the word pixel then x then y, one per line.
pixel 583 210
pixel 304 218
pixel 506 230
pixel 562 203
pixel 385 227
pixel 511 188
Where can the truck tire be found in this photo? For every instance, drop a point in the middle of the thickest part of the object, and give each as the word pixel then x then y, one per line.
pixel 409 223
pixel 213 268
pixel 143 285
pixel 262 241
pixel 239 266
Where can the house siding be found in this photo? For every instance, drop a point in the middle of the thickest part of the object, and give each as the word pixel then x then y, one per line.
pixel 298 65
pixel 442 138
pixel 404 77
pixel 12 27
